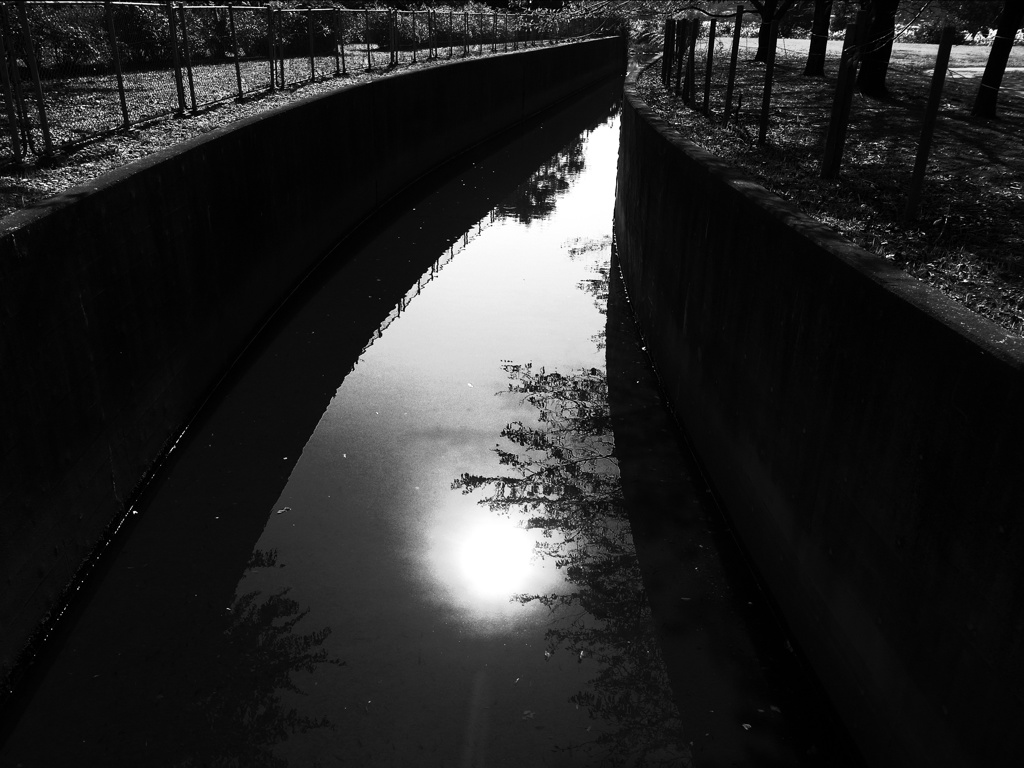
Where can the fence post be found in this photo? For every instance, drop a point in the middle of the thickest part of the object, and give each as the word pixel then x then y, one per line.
pixel 682 37
pixel 176 58
pixel 708 66
pixel 691 52
pixel 415 39
pixel 271 58
pixel 465 38
pixel 835 138
pixel 20 104
pixel 188 55
pixel 393 37
pixel 769 76
pixel 12 117
pixel 930 118
pixel 339 43
pixel 108 10
pixel 234 48
pixel 309 33
pixel 494 32
pixel 279 39
pixel 732 64
pixel 667 50
pixel 280 29
pixel 37 83
pixel 366 35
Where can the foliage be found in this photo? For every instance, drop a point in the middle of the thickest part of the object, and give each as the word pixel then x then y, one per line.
pixel 251 32
pixel 926 21
pixel 535 198
pixel 240 716
pixel 72 37
pixel 143 37
pixel 68 36
pixel 562 475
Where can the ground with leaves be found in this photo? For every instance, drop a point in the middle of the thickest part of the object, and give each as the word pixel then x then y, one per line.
pixel 37 180
pixel 969 237
pixel 968 241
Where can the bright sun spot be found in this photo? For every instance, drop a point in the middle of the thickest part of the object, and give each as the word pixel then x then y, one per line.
pixel 495 558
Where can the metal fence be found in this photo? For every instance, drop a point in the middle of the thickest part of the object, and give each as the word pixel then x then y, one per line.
pixel 73 71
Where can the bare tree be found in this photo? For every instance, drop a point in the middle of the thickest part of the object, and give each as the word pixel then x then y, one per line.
pixel 819 38
pixel 878 48
pixel 769 11
pixel 988 92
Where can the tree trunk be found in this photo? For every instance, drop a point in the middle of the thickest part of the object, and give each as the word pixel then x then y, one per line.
pixel 763 35
pixel 819 38
pixel 877 49
pixel 767 10
pixel 988 92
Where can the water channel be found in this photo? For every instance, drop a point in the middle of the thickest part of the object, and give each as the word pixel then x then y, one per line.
pixel 398 534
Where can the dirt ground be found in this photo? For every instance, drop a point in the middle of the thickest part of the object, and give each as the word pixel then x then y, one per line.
pixel 968 239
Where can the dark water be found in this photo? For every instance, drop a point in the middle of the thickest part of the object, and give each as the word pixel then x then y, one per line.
pixel 326 570
pixel 398 535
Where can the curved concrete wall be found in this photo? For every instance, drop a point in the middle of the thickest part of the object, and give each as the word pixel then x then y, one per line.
pixel 864 433
pixel 124 302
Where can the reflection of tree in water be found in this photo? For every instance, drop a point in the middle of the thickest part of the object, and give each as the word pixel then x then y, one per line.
pixel 535 198
pixel 239 717
pixel 597 285
pixel 562 476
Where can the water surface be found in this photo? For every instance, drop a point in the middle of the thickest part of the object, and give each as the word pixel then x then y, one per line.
pixel 395 535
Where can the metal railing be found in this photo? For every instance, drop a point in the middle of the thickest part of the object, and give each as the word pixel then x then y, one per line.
pixel 74 71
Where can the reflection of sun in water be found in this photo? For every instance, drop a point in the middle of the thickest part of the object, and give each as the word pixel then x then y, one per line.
pixel 494 558
pixel 482 562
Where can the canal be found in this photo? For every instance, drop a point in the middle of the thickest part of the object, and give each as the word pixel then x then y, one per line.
pixel 401 533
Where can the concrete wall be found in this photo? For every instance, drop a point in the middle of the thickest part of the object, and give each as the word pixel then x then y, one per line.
pixel 124 302
pixel 865 435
